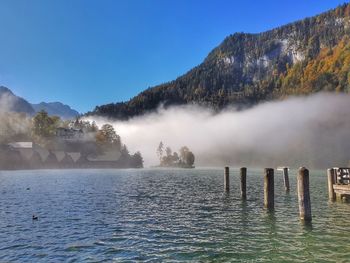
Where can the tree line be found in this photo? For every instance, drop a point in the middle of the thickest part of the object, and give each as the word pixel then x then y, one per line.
pixel 42 130
pixel 167 158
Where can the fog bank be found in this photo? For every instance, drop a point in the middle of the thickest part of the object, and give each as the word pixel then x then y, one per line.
pixel 6 102
pixel 312 131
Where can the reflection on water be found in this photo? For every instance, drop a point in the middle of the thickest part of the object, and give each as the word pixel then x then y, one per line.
pixel 167 215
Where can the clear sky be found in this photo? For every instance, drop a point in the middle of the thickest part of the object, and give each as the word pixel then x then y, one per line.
pixel 86 53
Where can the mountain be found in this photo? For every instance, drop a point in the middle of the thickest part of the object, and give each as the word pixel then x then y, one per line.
pixel 56 108
pixel 299 58
pixel 11 102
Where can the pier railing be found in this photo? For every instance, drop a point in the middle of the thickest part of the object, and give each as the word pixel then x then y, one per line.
pixel 338 183
pixel 342 175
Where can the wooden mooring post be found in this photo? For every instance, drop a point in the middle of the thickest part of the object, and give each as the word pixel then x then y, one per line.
pixel 227 179
pixel 243 177
pixel 304 194
pixel 286 179
pixel 269 189
pixel 331 182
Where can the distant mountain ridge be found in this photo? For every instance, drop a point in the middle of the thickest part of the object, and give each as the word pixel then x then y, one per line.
pixel 9 102
pixel 299 58
pixel 56 108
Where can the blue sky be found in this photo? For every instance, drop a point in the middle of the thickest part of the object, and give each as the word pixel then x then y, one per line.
pixel 86 53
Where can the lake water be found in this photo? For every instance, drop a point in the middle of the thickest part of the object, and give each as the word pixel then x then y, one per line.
pixel 164 215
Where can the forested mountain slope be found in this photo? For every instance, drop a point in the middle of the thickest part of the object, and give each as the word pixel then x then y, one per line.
pixel 303 57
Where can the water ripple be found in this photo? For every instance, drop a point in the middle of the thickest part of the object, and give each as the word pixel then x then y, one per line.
pixel 164 215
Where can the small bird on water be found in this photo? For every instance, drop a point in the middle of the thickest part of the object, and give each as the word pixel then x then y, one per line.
pixel 35 217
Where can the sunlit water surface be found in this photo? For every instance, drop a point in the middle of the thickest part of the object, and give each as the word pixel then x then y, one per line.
pixel 164 215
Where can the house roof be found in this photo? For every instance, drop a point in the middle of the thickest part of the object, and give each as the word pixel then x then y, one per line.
pixel 69 129
pixel 21 145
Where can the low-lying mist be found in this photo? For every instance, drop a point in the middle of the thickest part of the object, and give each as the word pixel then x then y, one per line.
pixel 312 131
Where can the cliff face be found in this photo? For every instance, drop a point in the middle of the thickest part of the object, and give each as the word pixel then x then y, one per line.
pixel 246 69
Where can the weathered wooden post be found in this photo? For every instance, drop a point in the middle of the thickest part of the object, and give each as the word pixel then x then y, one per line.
pixel 227 179
pixel 304 194
pixel 269 189
pixel 331 193
pixel 286 179
pixel 243 176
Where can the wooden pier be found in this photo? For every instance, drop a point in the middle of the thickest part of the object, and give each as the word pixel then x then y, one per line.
pixel 338 187
pixel 338 183
pixel 269 188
